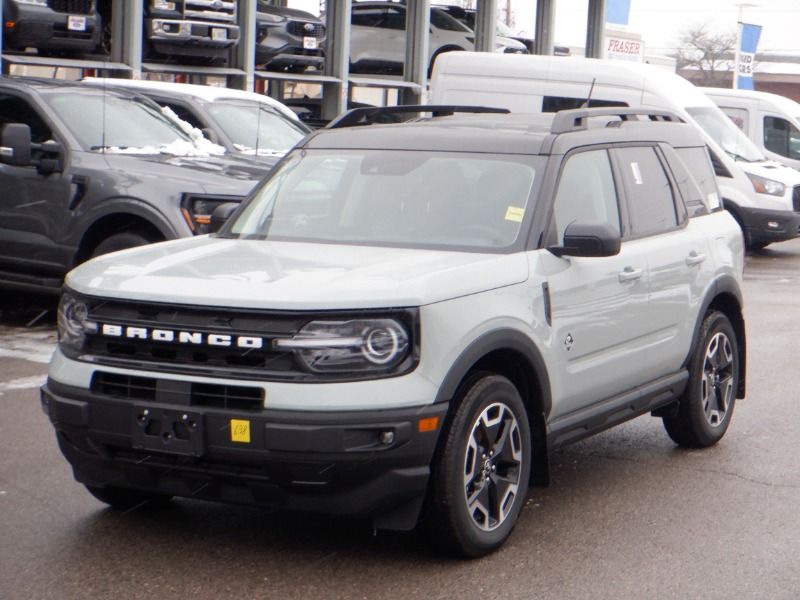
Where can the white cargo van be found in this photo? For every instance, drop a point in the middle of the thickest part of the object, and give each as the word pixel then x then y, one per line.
pixel 763 195
pixel 772 122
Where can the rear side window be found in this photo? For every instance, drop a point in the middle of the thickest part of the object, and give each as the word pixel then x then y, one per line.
pixel 557 103
pixel 651 204
pixel 739 116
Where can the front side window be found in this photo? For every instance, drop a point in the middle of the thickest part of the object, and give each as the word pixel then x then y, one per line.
pixel 651 204
pixel 441 20
pixel 106 122
pixel 781 137
pixel 16 110
pixel 255 128
pixel 585 192
pixel 413 199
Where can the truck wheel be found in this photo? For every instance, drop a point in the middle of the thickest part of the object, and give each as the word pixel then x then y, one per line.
pixel 705 408
pixel 480 478
pixel 125 499
pixel 120 241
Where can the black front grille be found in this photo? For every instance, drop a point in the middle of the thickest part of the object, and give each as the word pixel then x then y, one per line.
pixel 306 29
pixel 75 7
pixel 197 357
pixel 148 389
pixel 796 198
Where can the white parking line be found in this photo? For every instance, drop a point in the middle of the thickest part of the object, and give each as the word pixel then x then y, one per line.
pixel 23 383
pixel 35 346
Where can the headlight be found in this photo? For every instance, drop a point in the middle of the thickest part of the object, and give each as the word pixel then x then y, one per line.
pixel 762 185
pixel 198 210
pixel 269 19
pixel 35 2
pixel 350 346
pixel 73 324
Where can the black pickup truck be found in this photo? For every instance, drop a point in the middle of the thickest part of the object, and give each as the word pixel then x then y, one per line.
pixel 86 170
pixel 51 26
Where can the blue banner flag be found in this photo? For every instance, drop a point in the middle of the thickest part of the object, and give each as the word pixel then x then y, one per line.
pixel 746 55
pixel 617 11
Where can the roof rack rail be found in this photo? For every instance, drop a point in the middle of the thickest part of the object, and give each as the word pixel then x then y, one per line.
pixel 369 115
pixel 576 119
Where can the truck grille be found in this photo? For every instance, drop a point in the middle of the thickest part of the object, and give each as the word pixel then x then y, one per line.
pixel 148 389
pixel 194 356
pixel 796 198
pixel 75 7
pixel 210 10
pixel 306 29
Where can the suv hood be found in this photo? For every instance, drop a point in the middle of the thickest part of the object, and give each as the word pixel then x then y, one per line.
pixel 288 13
pixel 293 276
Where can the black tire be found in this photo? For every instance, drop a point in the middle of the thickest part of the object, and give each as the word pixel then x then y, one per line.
pixel 757 246
pixel 480 477
pixel 120 241
pixel 706 406
pixel 125 499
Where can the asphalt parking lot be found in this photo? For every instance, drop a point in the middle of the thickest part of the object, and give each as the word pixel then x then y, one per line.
pixel 627 515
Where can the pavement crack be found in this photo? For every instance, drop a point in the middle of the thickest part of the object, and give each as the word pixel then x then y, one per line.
pixel 683 467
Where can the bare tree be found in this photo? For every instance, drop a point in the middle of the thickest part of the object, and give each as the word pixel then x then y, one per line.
pixel 706 58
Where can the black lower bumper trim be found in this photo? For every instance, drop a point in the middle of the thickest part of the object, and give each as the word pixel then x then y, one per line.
pixel 366 463
pixel 762 226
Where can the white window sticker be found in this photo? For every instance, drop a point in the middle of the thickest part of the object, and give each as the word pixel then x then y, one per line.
pixel 637 174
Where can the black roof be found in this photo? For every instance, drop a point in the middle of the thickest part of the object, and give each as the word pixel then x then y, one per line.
pixel 505 133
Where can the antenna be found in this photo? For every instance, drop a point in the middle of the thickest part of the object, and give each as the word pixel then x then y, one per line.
pixel 589 97
pixel 259 108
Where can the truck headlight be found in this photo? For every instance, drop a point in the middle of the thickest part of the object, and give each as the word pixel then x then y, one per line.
pixel 73 324
pixel 356 345
pixel 34 2
pixel 762 185
pixel 198 209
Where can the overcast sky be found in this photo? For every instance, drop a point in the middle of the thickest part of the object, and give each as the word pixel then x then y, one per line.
pixel 661 21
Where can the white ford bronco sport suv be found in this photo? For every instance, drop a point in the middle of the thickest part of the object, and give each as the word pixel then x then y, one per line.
pixel 404 320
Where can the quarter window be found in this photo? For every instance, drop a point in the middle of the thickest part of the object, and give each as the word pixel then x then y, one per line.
pixel 651 204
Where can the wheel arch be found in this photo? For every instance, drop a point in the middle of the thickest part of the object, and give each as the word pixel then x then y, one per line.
pixel 725 296
pixel 112 223
pixel 513 355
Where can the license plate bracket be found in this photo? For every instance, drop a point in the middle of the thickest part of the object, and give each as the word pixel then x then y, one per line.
pixel 170 430
pixel 219 34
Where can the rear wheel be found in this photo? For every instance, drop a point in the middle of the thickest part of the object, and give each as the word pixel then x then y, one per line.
pixel 480 479
pixel 125 499
pixel 705 409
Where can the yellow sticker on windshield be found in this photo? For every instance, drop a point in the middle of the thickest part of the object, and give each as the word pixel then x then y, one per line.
pixel 515 213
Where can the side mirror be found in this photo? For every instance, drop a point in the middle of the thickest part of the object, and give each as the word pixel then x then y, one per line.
pixel 221 214
pixel 589 239
pixel 15 145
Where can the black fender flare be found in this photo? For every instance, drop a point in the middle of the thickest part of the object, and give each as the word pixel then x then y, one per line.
pixel 725 284
pixel 499 339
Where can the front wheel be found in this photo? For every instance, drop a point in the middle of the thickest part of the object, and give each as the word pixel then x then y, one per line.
pixel 120 241
pixel 706 406
pixel 480 478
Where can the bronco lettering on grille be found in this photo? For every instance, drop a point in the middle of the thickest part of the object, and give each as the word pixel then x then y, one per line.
pixel 182 337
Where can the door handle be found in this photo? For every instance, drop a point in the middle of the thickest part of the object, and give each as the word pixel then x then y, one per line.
pixel 695 258
pixel 630 274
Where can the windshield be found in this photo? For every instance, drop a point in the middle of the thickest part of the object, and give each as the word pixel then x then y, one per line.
pixel 255 126
pixel 725 133
pixel 107 122
pixel 504 30
pixel 395 198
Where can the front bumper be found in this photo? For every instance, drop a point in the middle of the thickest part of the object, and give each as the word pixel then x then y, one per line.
pixel 358 463
pixel 43 28
pixel 762 226
pixel 174 36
